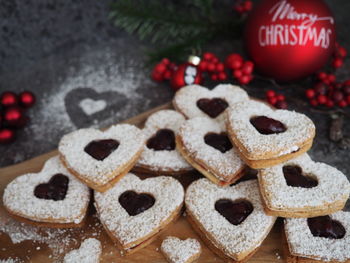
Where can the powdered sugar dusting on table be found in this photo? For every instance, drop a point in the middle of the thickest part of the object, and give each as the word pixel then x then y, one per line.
pixel 167 192
pixel 163 160
pixel 180 251
pixel 303 243
pixel 89 252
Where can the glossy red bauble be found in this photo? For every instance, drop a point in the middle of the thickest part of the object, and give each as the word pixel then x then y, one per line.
pixel 6 136
pixel 14 117
pixel 8 99
pixel 26 99
pixel 290 39
pixel 186 74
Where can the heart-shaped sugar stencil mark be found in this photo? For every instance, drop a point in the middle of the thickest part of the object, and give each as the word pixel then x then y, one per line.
pixel 55 189
pixel 135 203
pixel 234 211
pixel 266 126
pixel 325 226
pixel 89 251
pixel 164 139
pixel 85 106
pixel 212 107
pixel 218 141
pixel 101 149
pixel 180 251
pixel 294 177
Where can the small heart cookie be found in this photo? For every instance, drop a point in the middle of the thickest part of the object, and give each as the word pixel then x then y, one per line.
pixel 101 158
pixel 52 197
pixel 89 252
pixel 205 145
pixel 134 210
pixel 159 155
pixel 303 188
pixel 197 101
pixel 180 251
pixel 323 238
pixel 230 220
pixel 267 137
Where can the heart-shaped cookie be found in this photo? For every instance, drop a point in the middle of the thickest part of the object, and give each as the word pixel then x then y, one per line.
pixel 180 251
pixel 88 252
pixel 267 137
pixel 134 210
pixel 205 145
pixel 52 197
pixel 101 158
pixel 236 240
pixel 325 238
pixel 303 188
pixel 159 155
pixel 197 101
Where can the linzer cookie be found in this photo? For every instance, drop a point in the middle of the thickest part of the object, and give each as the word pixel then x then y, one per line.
pixel 266 137
pixel 135 210
pixel 197 101
pixel 230 220
pixel 52 197
pixel 160 155
pixel 318 239
pixel 89 252
pixel 176 250
pixel 101 158
pixel 205 145
pixel 303 188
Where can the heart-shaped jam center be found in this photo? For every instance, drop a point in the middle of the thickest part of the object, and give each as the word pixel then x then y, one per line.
pixel 218 141
pixel 135 203
pixel 101 149
pixel 212 107
pixel 55 189
pixel 234 211
pixel 325 226
pixel 266 126
pixel 294 177
pixel 164 139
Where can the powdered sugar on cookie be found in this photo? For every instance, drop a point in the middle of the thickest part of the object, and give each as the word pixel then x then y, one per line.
pixel 162 160
pixel 180 251
pixel 89 252
pixel 302 243
pixel 19 196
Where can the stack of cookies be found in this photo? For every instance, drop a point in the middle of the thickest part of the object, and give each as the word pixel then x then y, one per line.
pixel 255 165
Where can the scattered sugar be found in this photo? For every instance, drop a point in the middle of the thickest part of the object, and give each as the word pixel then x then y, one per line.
pixel 200 200
pixel 333 186
pixel 222 165
pixel 19 196
pixel 303 243
pixel 163 160
pixel 185 100
pixel 180 251
pixel 168 194
pixel 278 256
pixel 71 147
pixel 11 260
pixel 89 252
pixel 299 129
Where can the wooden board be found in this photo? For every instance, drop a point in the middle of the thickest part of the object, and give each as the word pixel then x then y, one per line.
pixel 29 251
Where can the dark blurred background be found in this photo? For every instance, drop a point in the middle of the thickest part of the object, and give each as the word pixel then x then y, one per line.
pixel 71 56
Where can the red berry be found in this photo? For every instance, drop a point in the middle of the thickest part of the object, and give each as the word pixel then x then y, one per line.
pixel 331 78
pixel 236 64
pixel 8 99
pixel 280 97
pixel 220 67
pixel 247 5
pixel 237 73
pixel 272 100
pixel 158 77
pixel 342 103
pixel 248 67
pixel 26 99
pixel 208 56
pixel 337 63
pixel 321 88
pixel 321 75
pixel 346 89
pixel 222 76
pixel 165 61
pixel 314 102
pixel 239 9
pixel 338 96
pixel 167 74
pixel 203 65
pixel 14 117
pixel 341 52
pixel 270 93
pixel 330 103
pixel 6 136
pixel 322 99
pixel 231 61
pixel 348 99
pixel 281 105
pixel 310 93
pixel 215 60
pixel 245 79
pixel 214 77
pixel 211 67
pixel 160 68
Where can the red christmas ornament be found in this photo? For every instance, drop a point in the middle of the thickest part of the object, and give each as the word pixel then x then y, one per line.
pixel 14 117
pixel 290 39
pixel 6 136
pixel 26 99
pixel 187 74
pixel 8 99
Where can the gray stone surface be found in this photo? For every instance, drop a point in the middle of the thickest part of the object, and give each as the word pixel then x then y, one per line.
pixel 67 52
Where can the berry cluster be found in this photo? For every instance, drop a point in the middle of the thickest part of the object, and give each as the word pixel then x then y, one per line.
pixel 12 113
pixel 215 68
pixel 276 100
pixel 241 70
pixel 163 70
pixel 242 7
pixel 338 56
